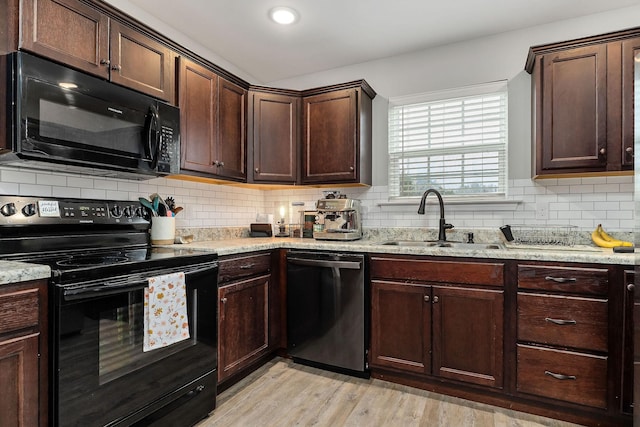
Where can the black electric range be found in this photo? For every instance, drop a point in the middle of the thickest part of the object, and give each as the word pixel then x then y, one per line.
pixel 101 262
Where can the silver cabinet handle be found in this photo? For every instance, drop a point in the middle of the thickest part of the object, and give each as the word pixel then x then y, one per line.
pixel 603 151
pixel 561 279
pixel 560 376
pixel 631 287
pixel 247 266
pixel 257 170
pixel 221 164
pixel 629 151
pixel 435 299
pixel 105 61
pixel 426 298
pixel 560 321
pixel 223 300
pixel 116 67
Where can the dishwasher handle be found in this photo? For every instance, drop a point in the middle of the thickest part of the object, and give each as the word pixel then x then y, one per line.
pixel 351 265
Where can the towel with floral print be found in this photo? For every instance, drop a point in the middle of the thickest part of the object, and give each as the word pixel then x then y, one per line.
pixel 165 311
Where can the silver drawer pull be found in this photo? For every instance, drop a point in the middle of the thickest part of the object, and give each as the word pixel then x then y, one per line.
pixel 560 321
pixel 560 376
pixel 247 266
pixel 561 279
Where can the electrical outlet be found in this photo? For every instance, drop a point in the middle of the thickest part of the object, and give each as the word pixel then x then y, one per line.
pixel 542 211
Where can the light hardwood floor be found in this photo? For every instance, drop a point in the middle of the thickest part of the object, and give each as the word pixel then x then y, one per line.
pixel 283 393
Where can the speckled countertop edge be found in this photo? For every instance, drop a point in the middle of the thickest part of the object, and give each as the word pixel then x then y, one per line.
pixel 14 272
pixel 242 245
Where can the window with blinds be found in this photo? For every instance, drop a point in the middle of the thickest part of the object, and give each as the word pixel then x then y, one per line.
pixel 454 141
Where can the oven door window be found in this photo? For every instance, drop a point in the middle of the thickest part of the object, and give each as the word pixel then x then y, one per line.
pixel 101 360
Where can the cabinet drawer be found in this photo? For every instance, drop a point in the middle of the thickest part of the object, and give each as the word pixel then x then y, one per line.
pixel 593 281
pixel 19 310
pixel 564 375
pixel 564 321
pixel 243 266
pixel 476 273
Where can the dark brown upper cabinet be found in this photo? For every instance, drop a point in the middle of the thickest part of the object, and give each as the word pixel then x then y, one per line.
pixel 212 123
pixel 583 104
pixel 83 37
pixel 334 123
pixel 273 136
pixel 336 136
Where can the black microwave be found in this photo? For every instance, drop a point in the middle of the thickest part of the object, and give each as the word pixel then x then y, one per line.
pixel 64 120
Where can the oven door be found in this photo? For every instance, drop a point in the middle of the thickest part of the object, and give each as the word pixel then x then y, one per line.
pixel 102 376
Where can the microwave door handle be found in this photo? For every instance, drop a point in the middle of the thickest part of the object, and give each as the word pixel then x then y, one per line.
pixel 151 151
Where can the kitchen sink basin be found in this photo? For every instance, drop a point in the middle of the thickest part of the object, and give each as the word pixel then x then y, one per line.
pixel 443 244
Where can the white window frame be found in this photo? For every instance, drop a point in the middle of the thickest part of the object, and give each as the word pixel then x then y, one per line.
pixel 499 87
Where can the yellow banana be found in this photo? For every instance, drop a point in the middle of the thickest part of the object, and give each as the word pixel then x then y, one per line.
pixel 604 234
pixel 604 240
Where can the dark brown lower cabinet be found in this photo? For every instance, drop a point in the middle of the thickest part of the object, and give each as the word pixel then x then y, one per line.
pixel 446 331
pixel 401 326
pixel 468 335
pixel 549 338
pixel 564 375
pixel 23 354
pixel 19 381
pixel 244 324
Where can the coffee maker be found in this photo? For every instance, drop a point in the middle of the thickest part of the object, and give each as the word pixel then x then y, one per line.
pixel 338 219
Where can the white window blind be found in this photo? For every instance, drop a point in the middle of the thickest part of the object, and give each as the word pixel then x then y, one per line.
pixel 456 143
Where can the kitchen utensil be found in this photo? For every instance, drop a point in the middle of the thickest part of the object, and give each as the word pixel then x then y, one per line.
pixel 155 202
pixel 177 210
pixel 147 204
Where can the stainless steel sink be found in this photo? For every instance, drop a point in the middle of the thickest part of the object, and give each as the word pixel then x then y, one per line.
pixel 443 244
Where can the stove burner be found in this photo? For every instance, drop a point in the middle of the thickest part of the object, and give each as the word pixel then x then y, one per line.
pixel 90 261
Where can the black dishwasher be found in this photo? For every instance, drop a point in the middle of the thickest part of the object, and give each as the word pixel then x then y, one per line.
pixel 328 310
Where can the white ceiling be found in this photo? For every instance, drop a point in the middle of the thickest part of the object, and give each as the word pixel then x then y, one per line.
pixel 337 33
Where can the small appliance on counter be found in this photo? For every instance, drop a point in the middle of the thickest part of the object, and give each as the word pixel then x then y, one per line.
pixel 339 217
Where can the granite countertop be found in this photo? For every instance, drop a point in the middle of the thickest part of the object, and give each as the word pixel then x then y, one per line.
pixel 559 254
pixel 14 272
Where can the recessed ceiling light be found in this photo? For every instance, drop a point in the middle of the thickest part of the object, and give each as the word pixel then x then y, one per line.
pixel 283 15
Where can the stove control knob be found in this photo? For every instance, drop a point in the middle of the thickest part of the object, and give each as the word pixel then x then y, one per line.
pixel 116 211
pixel 29 210
pixel 128 212
pixel 8 209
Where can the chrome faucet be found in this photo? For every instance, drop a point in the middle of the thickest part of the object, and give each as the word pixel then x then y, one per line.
pixel 443 224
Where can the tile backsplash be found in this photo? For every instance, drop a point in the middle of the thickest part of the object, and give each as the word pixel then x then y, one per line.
pixel 583 202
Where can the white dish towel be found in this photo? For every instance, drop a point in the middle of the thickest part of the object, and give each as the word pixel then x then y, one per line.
pixel 165 311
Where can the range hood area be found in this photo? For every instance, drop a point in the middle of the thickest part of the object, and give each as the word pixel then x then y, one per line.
pixel 62 120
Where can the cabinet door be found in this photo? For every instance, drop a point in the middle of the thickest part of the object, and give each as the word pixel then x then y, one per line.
pixel 19 381
pixel 243 324
pixel 198 117
pixel 330 137
pixel 401 326
pixel 232 130
pixel 275 137
pixel 468 335
pixel 67 31
pixel 141 63
pixel 631 309
pixel 573 116
pixel 630 75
